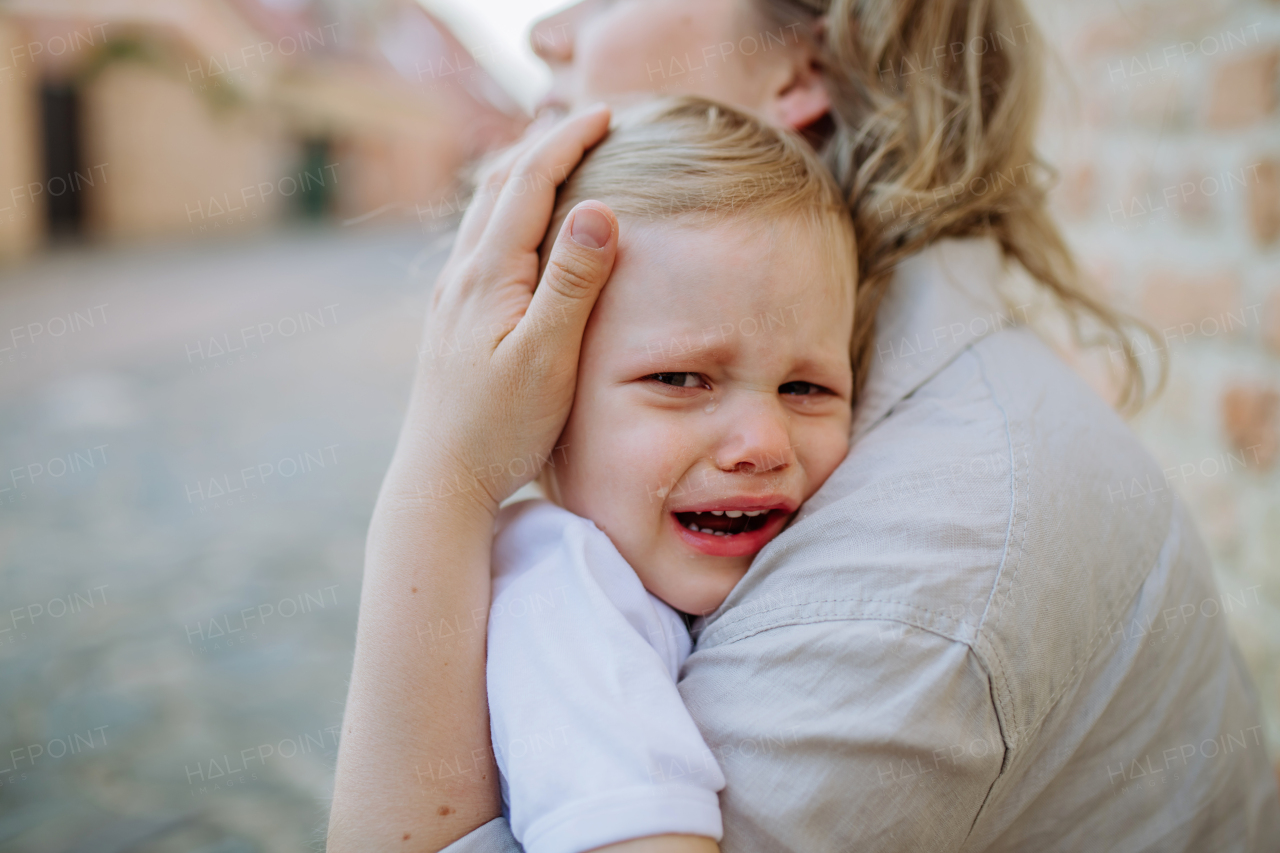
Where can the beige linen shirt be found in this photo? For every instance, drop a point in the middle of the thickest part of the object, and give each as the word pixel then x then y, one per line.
pixel 993 629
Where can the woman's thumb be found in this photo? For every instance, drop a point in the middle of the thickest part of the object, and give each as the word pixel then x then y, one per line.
pixel 580 263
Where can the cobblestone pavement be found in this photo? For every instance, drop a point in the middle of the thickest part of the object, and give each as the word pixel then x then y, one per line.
pixel 191 439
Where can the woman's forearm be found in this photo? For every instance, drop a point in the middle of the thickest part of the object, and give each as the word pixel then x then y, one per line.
pixel 415 768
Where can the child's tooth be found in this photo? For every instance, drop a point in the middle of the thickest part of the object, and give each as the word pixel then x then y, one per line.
pixel 753 513
pixel 719 533
pixel 734 513
pixel 717 512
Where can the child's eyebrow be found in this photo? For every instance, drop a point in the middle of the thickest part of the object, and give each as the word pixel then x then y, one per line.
pixel 823 367
pixel 710 344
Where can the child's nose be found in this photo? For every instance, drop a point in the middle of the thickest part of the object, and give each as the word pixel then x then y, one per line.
pixel 757 438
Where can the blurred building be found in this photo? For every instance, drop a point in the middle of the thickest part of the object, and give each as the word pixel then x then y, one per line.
pixel 134 119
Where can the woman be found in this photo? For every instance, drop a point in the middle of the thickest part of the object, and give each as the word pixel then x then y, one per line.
pixel 978 635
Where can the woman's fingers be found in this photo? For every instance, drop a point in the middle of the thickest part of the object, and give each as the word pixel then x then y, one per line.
pixel 484 198
pixel 508 216
pixel 523 208
pixel 580 263
pixel 493 177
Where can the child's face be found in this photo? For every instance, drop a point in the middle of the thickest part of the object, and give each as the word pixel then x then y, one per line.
pixel 713 392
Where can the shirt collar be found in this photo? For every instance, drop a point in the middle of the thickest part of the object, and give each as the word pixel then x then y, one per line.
pixel 940 302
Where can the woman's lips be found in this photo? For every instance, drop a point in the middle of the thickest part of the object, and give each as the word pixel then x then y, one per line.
pixel 743 544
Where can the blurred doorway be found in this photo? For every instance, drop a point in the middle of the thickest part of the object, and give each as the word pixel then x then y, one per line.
pixel 60 139
pixel 316 199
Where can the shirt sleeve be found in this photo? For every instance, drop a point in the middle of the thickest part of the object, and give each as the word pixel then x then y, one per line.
pixel 494 837
pixel 592 738
pixel 907 770
pixel 844 734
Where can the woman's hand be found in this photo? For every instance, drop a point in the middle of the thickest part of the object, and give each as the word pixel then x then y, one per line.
pixel 500 358
pixel 415 766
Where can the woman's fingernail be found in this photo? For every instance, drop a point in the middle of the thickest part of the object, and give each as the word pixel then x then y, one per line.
pixel 590 228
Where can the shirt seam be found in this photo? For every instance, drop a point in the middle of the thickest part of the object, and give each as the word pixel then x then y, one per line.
pixel 1003 687
pixel 1105 631
pixel 970 649
pixel 1070 678
pixel 750 632
pixel 850 617
pixel 1000 774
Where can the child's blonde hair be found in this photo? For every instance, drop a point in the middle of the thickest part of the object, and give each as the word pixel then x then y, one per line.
pixel 695 159
pixel 699 162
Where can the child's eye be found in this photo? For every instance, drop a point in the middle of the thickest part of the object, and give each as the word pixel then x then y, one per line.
pixel 678 380
pixel 801 388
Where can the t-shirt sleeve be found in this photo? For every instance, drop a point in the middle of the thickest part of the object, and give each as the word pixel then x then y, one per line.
pixel 592 738
pixel 834 735
pixel 494 837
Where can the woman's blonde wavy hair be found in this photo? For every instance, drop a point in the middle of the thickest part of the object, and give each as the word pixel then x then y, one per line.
pixel 931 134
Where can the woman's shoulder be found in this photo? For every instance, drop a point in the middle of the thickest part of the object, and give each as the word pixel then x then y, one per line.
pixel 1001 505
pixel 979 461
pixel 1001 477
pixel 990 498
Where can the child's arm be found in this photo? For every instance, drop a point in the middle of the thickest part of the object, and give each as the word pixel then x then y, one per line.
pixel 591 735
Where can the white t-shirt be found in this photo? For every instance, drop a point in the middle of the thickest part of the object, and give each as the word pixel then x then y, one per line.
pixel 582 657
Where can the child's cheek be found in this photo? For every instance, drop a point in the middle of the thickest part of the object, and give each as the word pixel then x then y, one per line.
pixel 820 449
pixel 642 463
pixel 671 452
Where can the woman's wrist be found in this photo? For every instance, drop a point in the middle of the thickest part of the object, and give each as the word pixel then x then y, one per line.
pixel 430 480
pixel 417 707
pixel 433 530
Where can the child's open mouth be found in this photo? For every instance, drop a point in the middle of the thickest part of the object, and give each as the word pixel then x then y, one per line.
pixel 724 522
pixel 730 532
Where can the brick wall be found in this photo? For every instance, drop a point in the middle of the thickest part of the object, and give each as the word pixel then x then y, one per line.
pixel 1163 121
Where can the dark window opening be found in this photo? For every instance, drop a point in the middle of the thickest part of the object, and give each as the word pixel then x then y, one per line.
pixel 318 179
pixel 60 116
